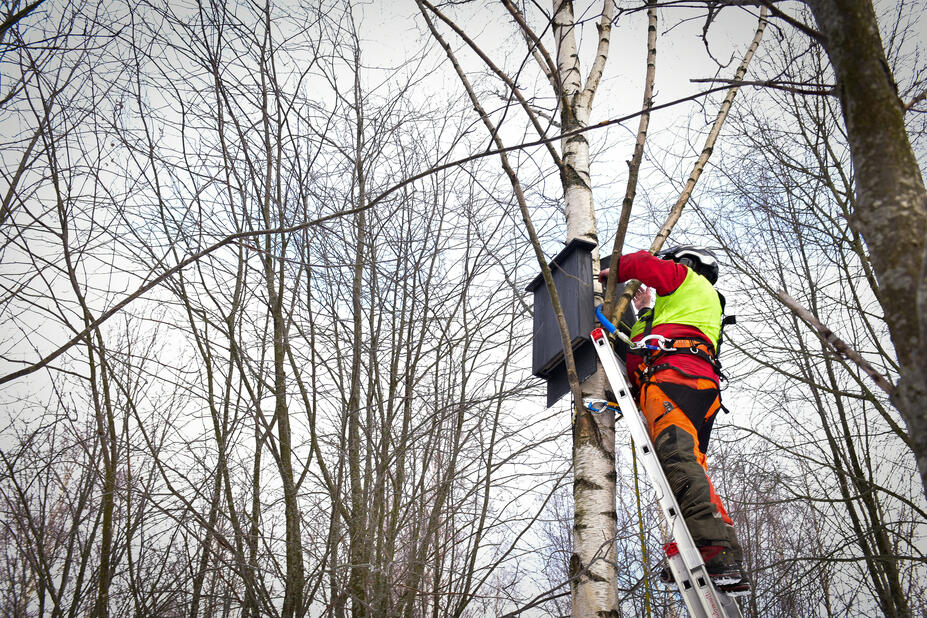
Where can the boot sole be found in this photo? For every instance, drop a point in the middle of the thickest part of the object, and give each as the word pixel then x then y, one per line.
pixel 726 581
pixel 736 593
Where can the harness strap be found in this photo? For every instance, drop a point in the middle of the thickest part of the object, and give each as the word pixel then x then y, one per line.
pixel 648 321
pixel 694 346
pixel 654 369
pixel 725 321
pixel 691 345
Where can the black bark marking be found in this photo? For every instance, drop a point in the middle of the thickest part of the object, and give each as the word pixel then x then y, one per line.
pixel 586 484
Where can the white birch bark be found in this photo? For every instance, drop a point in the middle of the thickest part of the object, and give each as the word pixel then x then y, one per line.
pixel 593 567
pixel 575 105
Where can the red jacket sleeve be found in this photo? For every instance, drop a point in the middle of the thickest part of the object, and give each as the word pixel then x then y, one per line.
pixel 664 276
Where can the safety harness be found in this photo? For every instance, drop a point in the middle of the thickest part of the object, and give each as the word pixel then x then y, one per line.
pixel 653 352
pixel 653 348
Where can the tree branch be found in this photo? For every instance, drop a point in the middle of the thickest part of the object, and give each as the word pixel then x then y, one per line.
pixel 634 165
pixel 569 362
pixel 513 88
pixel 604 28
pixel 787 86
pixel 915 101
pixel 147 287
pixel 540 53
pixel 799 25
pixel 13 18
pixel 676 211
pixel 828 336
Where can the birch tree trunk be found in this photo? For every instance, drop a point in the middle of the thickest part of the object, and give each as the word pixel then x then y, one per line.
pixel 593 566
pixel 575 107
pixel 891 212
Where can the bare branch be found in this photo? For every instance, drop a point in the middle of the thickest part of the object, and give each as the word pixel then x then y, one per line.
pixel 828 336
pixel 910 104
pixel 604 28
pixel 513 88
pixel 634 164
pixel 568 358
pixel 150 285
pixel 799 25
pixel 786 86
pixel 13 18
pixel 540 53
pixel 676 211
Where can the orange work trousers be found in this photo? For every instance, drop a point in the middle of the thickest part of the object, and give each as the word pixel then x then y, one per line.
pixel 680 413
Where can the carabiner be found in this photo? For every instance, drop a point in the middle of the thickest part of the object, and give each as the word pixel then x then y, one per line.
pixel 660 345
pixel 596 406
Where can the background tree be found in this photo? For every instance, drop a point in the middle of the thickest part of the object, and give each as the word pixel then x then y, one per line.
pixel 891 207
pixel 207 130
pixel 297 381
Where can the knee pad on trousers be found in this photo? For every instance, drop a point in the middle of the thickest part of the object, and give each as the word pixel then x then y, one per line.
pixel 675 449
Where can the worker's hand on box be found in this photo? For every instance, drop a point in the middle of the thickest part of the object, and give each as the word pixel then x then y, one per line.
pixel 643 298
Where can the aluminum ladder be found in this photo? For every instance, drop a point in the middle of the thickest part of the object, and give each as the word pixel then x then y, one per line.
pixel 701 598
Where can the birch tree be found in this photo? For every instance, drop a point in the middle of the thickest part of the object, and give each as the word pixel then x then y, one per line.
pixel 231 387
pixel 592 569
pixel 593 565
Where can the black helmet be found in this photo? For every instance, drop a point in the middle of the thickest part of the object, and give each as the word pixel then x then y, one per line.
pixel 700 259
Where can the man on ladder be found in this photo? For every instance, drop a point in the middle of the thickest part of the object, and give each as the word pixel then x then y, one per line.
pixel 677 386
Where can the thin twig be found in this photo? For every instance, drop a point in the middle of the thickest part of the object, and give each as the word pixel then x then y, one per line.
pixel 915 101
pixel 146 287
pixel 513 88
pixel 548 595
pixel 811 32
pixel 538 51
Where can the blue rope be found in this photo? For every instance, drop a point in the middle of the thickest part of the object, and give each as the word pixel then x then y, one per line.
pixel 608 326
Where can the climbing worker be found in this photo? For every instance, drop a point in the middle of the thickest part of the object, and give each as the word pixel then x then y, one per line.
pixel 677 385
